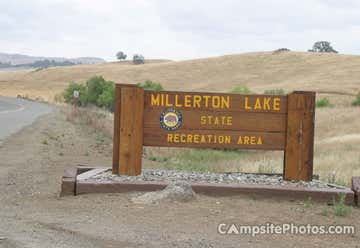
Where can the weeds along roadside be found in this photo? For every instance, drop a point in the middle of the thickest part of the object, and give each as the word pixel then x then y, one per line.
pixel 97 119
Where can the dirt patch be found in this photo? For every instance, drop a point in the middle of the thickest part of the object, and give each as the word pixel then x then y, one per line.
pixel 33 215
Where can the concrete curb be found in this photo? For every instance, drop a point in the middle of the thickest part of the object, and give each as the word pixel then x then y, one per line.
pixel 81 184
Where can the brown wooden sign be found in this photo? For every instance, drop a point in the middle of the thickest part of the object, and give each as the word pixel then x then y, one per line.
pixel 211 120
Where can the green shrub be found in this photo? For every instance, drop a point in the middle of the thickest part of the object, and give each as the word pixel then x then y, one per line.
pixel 107 98
pixel 322 103
pixel 96 86
pixel 340 208
pixel 69 94
pixel 149 85
pixel 275 92
pixel 97 91
pixel 241 90
pixel 356 102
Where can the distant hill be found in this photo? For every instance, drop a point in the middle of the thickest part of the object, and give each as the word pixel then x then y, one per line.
pixel 321 72
pixel 19 59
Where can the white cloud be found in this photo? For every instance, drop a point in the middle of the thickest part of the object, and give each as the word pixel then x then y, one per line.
pixel 174 29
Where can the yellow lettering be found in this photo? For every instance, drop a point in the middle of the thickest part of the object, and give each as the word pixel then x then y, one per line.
pixel 247 103
pixel 167 104
pixel 223 118
pixel 240 141
pixel 252 140
pixel 197 101
pixel 191 101
pixel 155 101
pixel 257 104
pixel 204 139
pixel 259 142
pixel 276 103
pixel 206 101
pixel 267 103
pixel 196 138
pixel 203 120
pixel 162 99
pixel 215 120
pixel 215 102
pixel 187 100
pixel 176 138
pixel 177 104
pixel 170 137
pixel 225 102
pixel 246 140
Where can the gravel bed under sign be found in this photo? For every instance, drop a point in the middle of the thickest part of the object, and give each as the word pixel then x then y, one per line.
pixel 209 177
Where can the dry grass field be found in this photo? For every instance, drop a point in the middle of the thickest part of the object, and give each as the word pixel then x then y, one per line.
pixel 335 76
pixel 258 71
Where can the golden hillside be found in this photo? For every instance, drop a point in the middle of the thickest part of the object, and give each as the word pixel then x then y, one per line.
pixel 335 76
pixel 258 71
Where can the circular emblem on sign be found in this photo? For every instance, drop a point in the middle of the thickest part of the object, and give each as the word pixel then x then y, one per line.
pixel 170 119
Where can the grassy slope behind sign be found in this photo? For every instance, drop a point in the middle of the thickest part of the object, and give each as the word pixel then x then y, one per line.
pixel 258 71
pixel 337 135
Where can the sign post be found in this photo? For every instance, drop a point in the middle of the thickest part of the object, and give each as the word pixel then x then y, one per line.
pixel 298 157
pixel 211 120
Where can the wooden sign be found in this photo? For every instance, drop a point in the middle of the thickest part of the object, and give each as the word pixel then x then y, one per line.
pixel 211 120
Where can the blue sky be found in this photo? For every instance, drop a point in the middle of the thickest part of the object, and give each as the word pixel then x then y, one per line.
pixel 175 29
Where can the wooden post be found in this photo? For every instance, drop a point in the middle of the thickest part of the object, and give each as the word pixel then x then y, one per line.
pixel 298 159
pixel 131 130
pixel 117 103
pixel 128 127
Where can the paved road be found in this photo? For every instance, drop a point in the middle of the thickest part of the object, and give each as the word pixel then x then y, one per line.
pixel 17 113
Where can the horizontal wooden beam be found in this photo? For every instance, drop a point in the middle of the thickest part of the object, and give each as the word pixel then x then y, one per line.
pixel 215 120
pixel 215 139
pixel 215 101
